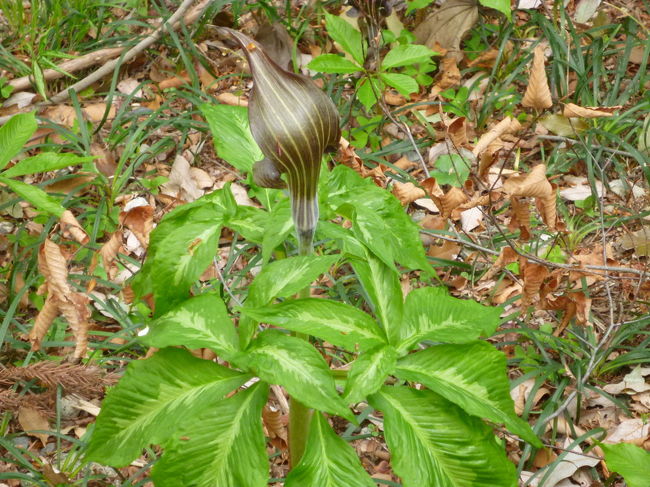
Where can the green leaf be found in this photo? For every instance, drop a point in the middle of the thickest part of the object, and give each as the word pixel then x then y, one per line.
pixel 14 135
pixel 224 446
pixel 338 323
pixel 182 246
pixel 232 135
pixel 502 6
pixel 368 372
pixel 406 55
pixel 401 82
pixel 278 229
pixel 451 169
pixel 473 376
pixel 250 222
pixel 347 36
pixel 433 442
pixel 371 229
pixel 36 196
pixel 632 462
pixel 381 284
pixel 368 91
pixel 295 364
pixel 431 314
pixel 198 322
pixel 43 162
pixel 333 63
pixel 415 4
pixel 396 230
pixel 286 277
pixel 152 399
pixel 328 461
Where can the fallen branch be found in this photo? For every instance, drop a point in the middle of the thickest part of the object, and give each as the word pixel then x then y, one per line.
pixel 107 68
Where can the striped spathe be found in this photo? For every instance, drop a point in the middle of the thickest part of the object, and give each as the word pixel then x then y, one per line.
pixel 294 123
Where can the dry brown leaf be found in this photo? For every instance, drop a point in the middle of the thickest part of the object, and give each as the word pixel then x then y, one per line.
pixel 232 99
pixel 561 303
pixel 69 224
pixel 532 185
pixel 32 420
pixel 534 275
pixel 583 307
pixel 633 383
pixel 407 192
pixel 174 82
pixel 95 112
pixel 202 179
pixel 108 253
pixel 394 99
pixel 451 200
pixel 180 181
pixel 544 457
pixel 448 25
pixel 638 241
pixel 105 160
pixel 457 131
pixel 77 313
pixel 71 184
pixel 450 73
pixel 520 395
pixel 487 58
pixel 139 220
pixel 447 251
pixel 520 218
pixel 404 163
pixel 508 125
pixel 57 269
pixel 504 290
pixel 506 256
pixel 43 321
pixel 634 431
pixel 538 94
pixel 61 114
pixel 275 424
pixel 571 110
pixel 547 206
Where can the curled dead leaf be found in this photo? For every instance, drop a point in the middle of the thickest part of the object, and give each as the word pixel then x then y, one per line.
pixel 508 125
pixel 451 200
pixel 538 94
pixel 534 275
pixel 506 256
pixel 108 253
pixel 43 321
pixel 407 192
pixel 69 224
pixel 572 110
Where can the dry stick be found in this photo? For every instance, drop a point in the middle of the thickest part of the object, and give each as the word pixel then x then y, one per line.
pixel 107 68
pixel 70 66
pixel 538 260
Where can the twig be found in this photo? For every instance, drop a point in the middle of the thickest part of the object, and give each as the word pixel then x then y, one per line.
pixel 538 260
pixel 107 68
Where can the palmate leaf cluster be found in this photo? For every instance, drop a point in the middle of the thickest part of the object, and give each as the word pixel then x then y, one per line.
pixel 207 417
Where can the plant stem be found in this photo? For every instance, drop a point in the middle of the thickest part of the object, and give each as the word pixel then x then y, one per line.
pixel 299 414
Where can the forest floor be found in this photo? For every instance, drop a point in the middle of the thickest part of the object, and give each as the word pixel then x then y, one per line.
pixel 523 153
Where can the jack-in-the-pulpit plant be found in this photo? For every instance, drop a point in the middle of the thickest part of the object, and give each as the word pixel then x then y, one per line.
pixel 294 123
pixel 207 415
